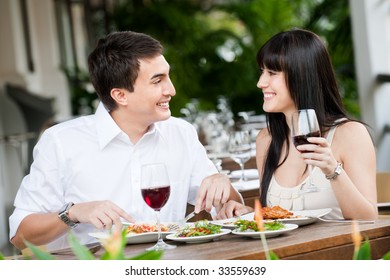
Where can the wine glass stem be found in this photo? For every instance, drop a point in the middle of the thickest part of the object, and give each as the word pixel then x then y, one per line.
pixel 311 185
pixel 159 239
pixel 242 171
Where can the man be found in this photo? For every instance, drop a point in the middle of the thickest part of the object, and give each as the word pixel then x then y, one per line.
pixel 86 172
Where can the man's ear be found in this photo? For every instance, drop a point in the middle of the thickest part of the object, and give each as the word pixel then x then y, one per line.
pixel 119 95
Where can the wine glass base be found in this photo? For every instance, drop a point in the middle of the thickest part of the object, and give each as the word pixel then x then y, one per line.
pixel 161 246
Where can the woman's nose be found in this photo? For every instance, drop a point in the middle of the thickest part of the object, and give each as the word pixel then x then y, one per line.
pixel 261 83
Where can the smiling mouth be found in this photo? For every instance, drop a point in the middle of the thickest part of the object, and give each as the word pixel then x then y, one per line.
pixel 163 104
pixel 268 95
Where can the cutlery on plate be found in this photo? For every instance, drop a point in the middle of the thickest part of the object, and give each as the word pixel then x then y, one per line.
pixel 189 216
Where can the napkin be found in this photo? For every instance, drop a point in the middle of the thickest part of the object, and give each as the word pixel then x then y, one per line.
pixel 249 173
pixel 246 185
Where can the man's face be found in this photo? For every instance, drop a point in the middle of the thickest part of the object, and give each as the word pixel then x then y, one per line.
pixel 153 89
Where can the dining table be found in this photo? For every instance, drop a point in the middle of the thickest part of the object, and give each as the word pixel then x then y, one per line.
pixel 319 240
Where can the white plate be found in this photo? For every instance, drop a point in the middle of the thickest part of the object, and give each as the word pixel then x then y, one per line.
pixel 300 218
pixel 198 239
pixel 267 233
pixel 132 238
pixel 305 217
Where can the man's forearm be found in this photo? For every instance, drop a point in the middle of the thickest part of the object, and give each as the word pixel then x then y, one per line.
pixel 38 229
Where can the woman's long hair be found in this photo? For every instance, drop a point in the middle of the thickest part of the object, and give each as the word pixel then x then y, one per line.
pixel 311 81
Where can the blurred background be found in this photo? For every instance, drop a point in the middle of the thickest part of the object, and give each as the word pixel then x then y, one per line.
pixel 211 46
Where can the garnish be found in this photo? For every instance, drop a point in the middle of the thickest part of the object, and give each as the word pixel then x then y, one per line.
pixel 200 228
pixel 246 225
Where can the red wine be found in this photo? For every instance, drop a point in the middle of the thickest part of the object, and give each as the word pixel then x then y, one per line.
pixel 156 197
pixel 302 139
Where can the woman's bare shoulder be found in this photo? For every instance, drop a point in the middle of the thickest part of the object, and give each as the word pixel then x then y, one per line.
pixel 262 141
pixel 352 129
pixel 352 135
pixel 263 135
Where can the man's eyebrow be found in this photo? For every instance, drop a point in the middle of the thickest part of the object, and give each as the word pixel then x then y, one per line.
pixel 158 75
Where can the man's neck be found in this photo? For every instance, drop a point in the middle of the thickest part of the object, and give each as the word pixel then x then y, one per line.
pixel 132 127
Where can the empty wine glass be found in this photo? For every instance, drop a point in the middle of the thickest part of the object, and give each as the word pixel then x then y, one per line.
pixel 155 189
pixel 304 125
pixel 240 150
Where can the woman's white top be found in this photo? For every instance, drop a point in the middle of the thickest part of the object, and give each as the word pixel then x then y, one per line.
pixel 291 198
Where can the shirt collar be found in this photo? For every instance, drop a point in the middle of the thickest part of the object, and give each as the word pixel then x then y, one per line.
pixel 106 127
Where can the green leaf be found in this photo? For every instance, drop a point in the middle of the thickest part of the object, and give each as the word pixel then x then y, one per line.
pixel 40 254
pixel 2 257
pixel 364 252
pixel 273 256
pixel 387 256
pixel 148 255
pixel 81 251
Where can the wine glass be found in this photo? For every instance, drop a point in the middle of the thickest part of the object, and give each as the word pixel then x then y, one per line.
pixel 240 150
pixel 305 124
pixel 155 189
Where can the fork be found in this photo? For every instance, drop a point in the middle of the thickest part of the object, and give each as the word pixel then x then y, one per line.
pixel 189 216
pixel 182 222
pixel 344 221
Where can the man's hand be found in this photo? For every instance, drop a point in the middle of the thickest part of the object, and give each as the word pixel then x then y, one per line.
pixel 214 191
pixel 232 208
pixel 101 214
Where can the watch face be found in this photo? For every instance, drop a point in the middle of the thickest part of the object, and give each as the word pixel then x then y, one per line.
pixel 338 169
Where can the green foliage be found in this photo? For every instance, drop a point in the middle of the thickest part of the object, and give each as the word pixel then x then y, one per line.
pixel 2 257
pixel 211 46
pixel 332 20
pixel 387 256
pixel 81 252
pixel 40 254
pixel 273 256
pixel 114 250
pixel 364 252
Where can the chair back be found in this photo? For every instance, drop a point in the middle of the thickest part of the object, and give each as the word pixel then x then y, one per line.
pixel 383 186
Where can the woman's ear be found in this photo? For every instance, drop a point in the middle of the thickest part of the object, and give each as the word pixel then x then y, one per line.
pixel 119 95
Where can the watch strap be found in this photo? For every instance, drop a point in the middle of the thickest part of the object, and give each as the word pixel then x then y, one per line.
pixel 336 172
pixel 64 215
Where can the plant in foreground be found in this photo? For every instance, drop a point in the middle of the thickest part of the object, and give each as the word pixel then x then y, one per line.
pixel 114 250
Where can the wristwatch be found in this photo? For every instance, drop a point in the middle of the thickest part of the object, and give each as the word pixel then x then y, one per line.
pixel 64 215
pixel 336 173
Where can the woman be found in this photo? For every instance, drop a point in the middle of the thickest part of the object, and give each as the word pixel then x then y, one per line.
pixel 296 73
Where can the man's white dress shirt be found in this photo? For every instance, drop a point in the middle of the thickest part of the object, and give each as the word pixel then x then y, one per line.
pixel 90 158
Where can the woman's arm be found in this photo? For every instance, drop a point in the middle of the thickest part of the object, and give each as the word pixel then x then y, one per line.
pixel 355 187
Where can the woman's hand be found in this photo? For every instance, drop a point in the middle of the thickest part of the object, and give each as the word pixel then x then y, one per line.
pixel 319 154
pixel 232 208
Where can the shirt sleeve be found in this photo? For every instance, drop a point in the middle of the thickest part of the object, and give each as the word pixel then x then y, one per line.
pixel 40 191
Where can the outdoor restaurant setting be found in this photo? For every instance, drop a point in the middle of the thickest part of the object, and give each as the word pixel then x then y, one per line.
pixel 195 130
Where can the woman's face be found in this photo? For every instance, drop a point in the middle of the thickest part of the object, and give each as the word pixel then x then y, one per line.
pixel 277 97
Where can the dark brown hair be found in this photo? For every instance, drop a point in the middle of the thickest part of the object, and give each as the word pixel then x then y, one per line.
pixel 114 63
